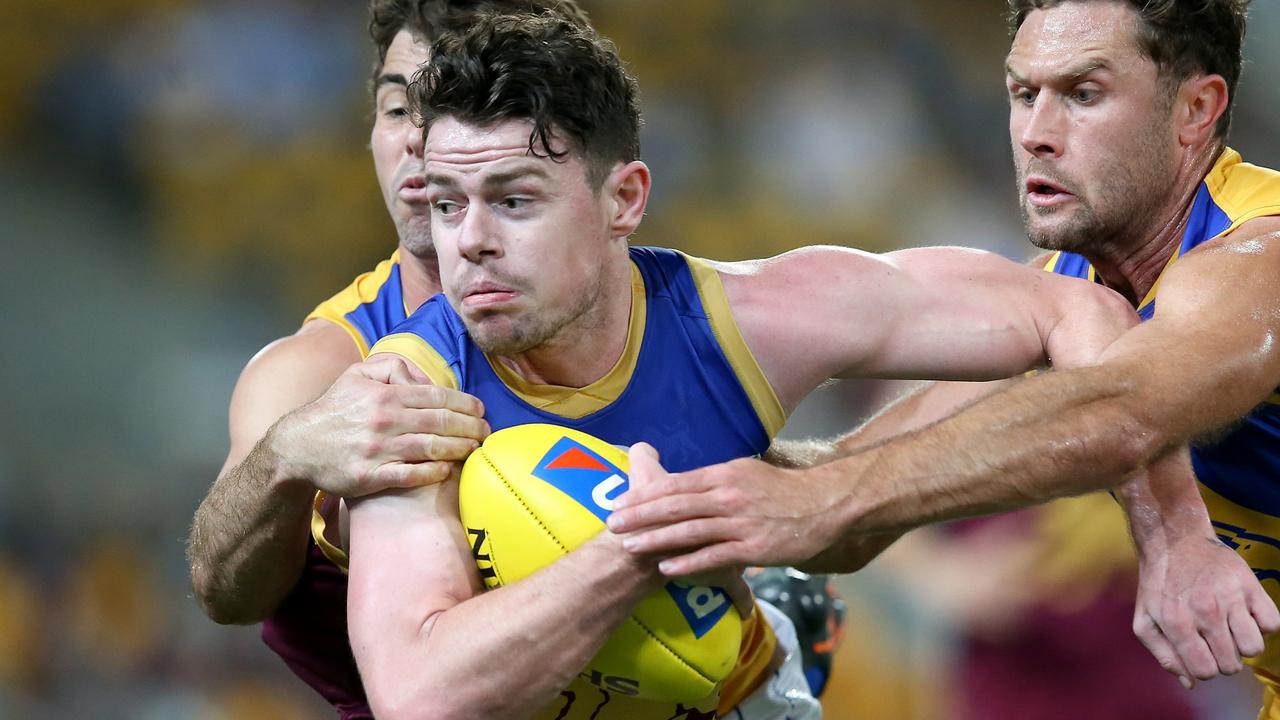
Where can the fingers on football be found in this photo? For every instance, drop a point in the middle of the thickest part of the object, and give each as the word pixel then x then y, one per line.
pixel 647 478
pixel 663 510
pixel 1160 648
pixel 708 558
pixel 684 535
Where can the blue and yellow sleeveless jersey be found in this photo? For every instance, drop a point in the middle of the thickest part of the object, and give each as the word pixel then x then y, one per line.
pixel 1239 473
pixel 686 383
pixel 370 307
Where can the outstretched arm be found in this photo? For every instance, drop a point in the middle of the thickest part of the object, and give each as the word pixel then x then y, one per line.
pixel 1206 360
pixel 928 313
pixel 376 427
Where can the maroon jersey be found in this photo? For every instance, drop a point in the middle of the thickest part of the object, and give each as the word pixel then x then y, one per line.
pixel 309 632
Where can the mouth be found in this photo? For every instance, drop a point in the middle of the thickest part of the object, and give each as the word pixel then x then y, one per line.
pixel 413 190
pixel 488 294
pixel 1043 192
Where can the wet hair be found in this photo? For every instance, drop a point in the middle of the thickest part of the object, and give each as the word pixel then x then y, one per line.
pixel 1183 38
pixel 562 77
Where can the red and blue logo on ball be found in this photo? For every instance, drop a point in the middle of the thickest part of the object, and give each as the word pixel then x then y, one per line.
pixel 582 474
pixel 594 482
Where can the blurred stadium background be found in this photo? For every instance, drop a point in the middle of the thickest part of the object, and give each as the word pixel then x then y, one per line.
pixel 182 180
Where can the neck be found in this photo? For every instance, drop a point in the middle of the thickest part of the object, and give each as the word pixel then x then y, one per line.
pixel 419 278
pixel 1132 262
pixel 587 348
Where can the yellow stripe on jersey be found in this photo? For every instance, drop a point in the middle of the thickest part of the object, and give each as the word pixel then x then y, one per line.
pixel 420 353
pixel 574 403
pixel 336 555
pixel 725 329
pixel 364 289
pixel 1255 536
pixel 1252 192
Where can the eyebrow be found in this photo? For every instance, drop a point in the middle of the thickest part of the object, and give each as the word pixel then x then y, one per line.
pixel 498 179
pixel 1073 76
pixel 392 79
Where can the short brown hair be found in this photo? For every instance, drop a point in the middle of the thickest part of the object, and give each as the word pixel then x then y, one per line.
pixel 564 78
pixel 429 19
pixel 1182 37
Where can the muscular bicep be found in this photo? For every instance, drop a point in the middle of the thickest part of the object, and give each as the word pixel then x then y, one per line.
pixel 282 377
pixel 409 561
pixel 930 313
pixel 1208 356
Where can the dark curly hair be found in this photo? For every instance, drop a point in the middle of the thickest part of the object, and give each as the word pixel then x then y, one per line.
pixel 1183 37
pixel 565 79
pixel 429 19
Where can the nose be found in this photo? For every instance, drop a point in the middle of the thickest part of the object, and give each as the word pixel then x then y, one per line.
pixel 1042 132
pixel 479 236
pixel 414 139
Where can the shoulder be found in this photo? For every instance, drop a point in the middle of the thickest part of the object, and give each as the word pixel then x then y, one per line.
pixel 317 348
pixel 433 338
pixel 289 373
pixel 1253 243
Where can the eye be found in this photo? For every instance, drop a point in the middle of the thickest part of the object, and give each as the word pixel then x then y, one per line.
pixel 514 203
pixel 1022 95
pixel 445 207
pixel 1084 95
pixel 396 113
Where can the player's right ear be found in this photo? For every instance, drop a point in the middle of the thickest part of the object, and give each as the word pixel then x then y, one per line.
pixel 628 190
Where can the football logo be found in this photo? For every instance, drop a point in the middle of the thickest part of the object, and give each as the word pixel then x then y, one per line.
pixel 594 483
pixel 583 475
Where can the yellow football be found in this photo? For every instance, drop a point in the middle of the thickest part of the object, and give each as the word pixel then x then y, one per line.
pixel 533 493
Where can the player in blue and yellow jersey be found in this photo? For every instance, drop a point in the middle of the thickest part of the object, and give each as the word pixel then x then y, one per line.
pixel 295 430
pixel 1119 116
pixel 548 315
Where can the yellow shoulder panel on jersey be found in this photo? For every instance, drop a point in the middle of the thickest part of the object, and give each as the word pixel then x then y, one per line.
pixel 725 329
pixel 363 289
pixel 420 353
pixel 1242 190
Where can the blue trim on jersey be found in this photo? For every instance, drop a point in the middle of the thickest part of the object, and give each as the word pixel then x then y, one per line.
pixel 1244 467
pixel 1072 265
pixel 1207 221
pixel 684 397
pixel 376 318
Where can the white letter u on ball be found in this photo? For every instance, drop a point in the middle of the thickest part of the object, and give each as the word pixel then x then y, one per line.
pixel 600 493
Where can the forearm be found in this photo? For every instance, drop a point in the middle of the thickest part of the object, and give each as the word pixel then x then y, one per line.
pixel 921 405
pixel 504 653
pixel 249 538
pixel 1163 505
pixel 1067 433
pixel 849 554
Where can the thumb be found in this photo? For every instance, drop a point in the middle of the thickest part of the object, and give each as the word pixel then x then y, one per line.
pixel 644 468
